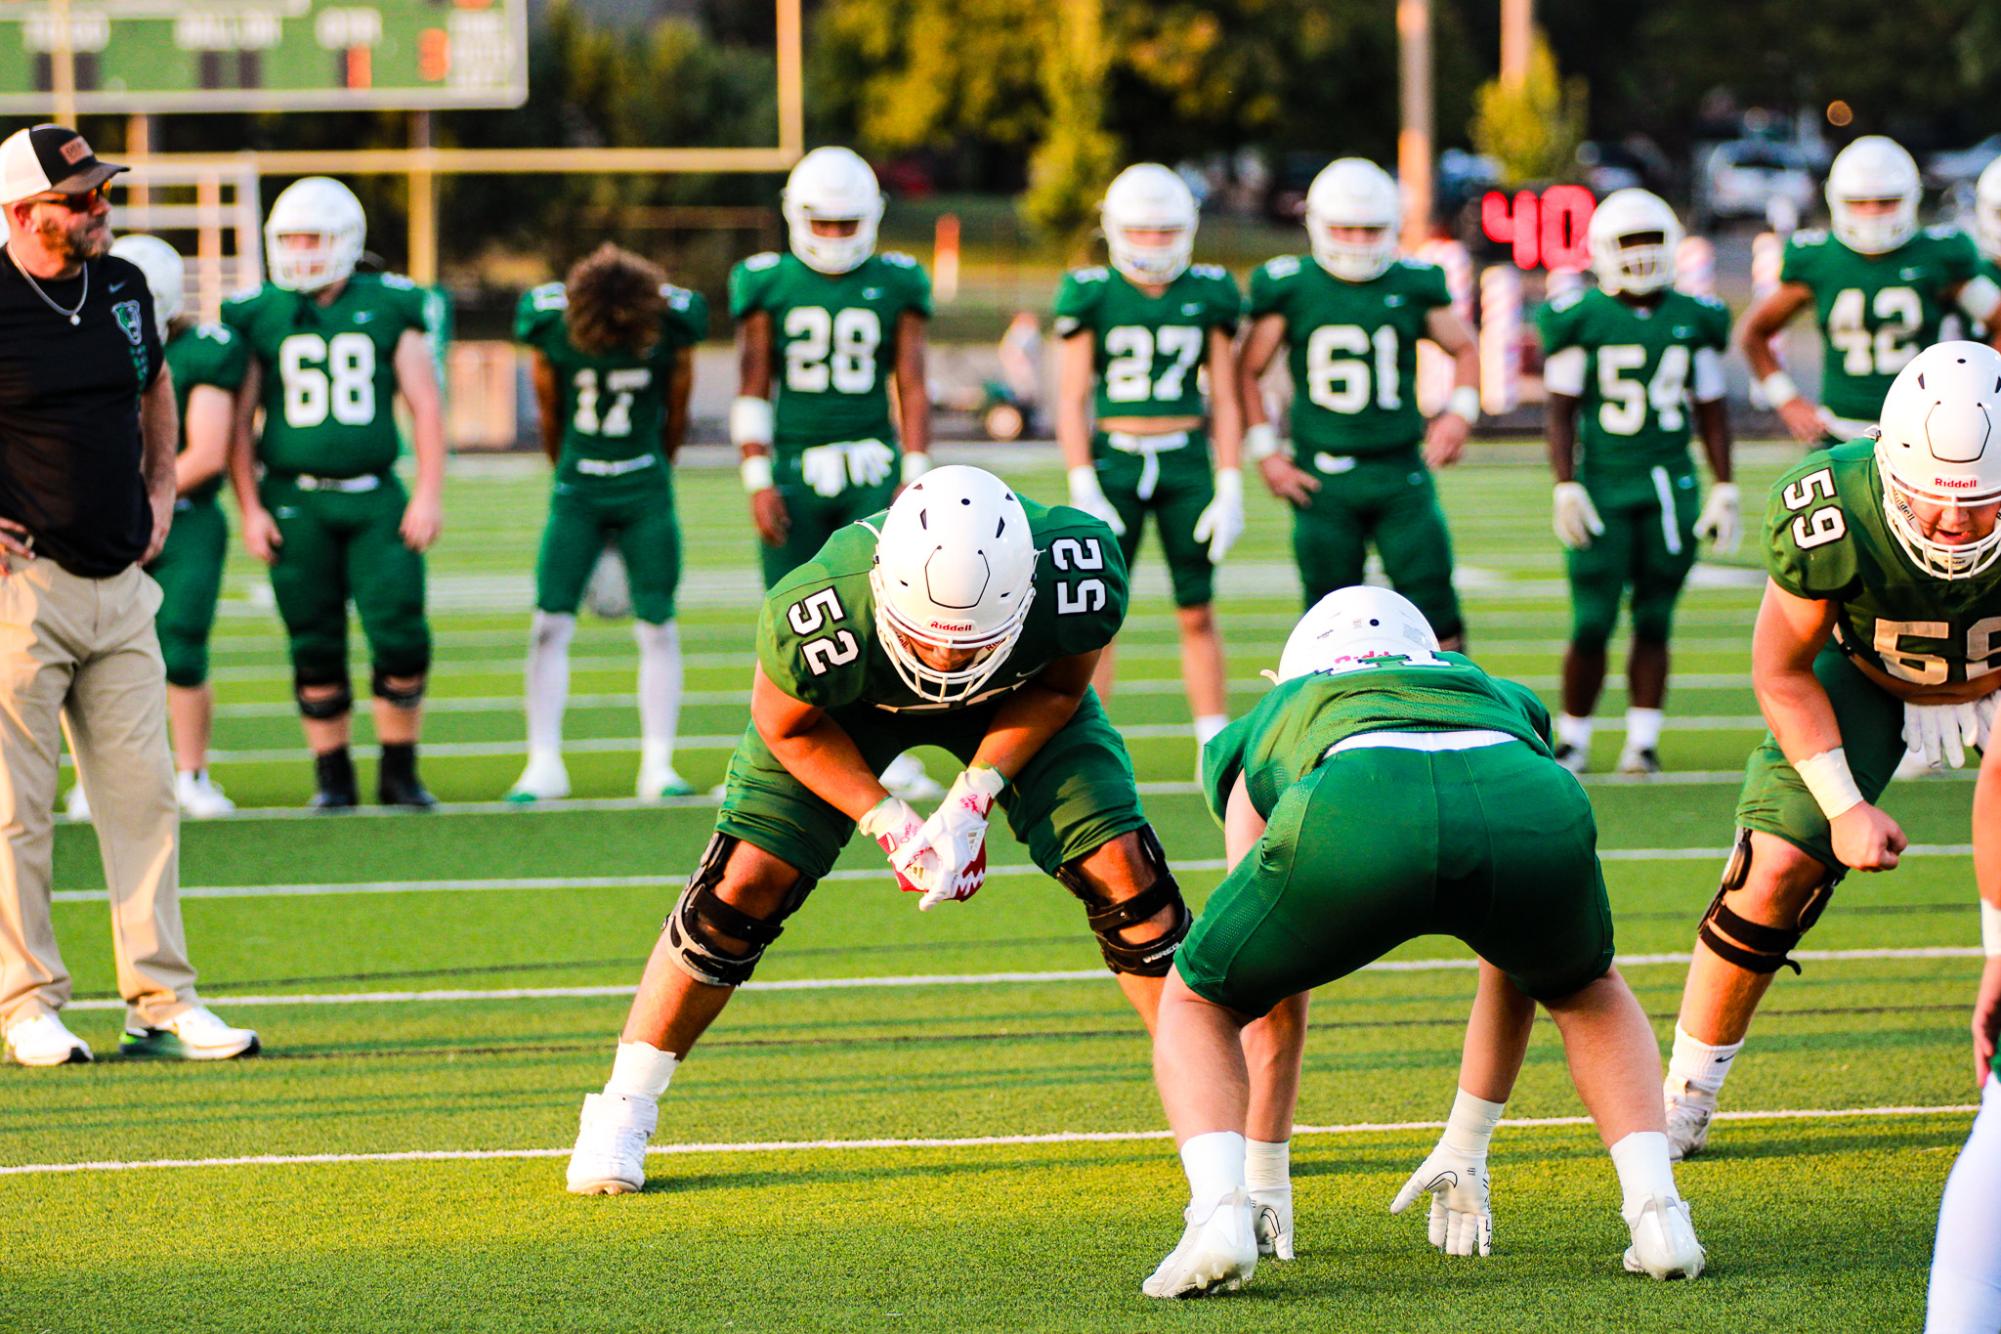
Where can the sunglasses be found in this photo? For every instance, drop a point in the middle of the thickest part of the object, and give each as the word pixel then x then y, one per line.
pixel 76 203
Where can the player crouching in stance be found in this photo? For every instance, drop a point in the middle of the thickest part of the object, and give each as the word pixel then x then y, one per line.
pixel 964 617
pixel 1383 791
pixel 612 373
pixel 1628 358
pixel 1881 626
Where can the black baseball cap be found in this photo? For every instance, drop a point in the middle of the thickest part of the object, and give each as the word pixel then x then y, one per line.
pixel 50 159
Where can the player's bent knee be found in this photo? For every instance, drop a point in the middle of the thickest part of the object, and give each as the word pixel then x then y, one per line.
pixel 1784 898
pixel 322 696
pixel 730 912
pixel 1110 920
pixel 402 691
pixel 186 660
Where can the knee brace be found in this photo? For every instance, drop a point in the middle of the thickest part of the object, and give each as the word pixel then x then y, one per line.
pixel 1750 945
pixel 1151 958
pixel 384 688
pixel 322 706
pixel 700 917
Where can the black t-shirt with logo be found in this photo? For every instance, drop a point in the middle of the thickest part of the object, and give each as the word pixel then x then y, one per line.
pixel 69 414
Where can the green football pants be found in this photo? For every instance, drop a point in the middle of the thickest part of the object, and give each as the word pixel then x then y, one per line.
pixel 1496 846
pixel 189 572
pixel 1648 546
pixel 1389 499
pixel 637 513
pixel 1174 486
pixel 339 545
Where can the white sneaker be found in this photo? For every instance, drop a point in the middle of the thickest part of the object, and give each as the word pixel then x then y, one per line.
pixel 905 778
pixel 1574 758
pixel 1638 760
pixel 545 779
pixel 1913 765
pixel 659 781
pixel 77 806
pixel 1688 1113
pixel 198 1034
pixel 610 1157
pixel 1271 1215
pixel 43 1040
pixel 201 797
pixel 1219 1250
pixel 1664 1244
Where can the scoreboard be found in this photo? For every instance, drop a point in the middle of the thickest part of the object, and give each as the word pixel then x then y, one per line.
pixel 266 55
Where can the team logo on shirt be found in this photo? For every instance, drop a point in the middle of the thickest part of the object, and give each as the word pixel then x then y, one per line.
pixel 127 315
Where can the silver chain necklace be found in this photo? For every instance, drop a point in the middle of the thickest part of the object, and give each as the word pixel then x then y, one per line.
pixel 73 315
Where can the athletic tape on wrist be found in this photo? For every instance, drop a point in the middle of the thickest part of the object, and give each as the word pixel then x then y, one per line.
pixel 751 421
pixel 756 472
pixel 1464 404
pixel 1990 929
pixel 1230 483
pixel 1779 389
pixel 1260 442
pixel 1829 780
pixel 1470 1127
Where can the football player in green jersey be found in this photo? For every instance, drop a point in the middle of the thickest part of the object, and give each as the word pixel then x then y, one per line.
pixel 1987 220
pixel 1628 358
pixel 612 372
pixel 1384 791
pixel 1351 316
pixel 1881 627
pixel 965 617
pixel 330 349
pixel 830 348
pixel 1141 333
pixel 1879 288
pixel 208 363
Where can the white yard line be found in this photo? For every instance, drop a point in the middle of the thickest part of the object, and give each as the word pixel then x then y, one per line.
pixel 965 1142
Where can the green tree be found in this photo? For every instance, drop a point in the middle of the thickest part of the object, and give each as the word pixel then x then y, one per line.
pixel 1533 130
pixel 1074 162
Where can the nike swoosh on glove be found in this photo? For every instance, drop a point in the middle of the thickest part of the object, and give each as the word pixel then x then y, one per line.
pixel 1461 1221
pixel 956 835
pixel 893 825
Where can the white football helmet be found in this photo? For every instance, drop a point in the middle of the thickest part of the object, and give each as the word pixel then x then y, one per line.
pixel 316 206
pixel 1873 167
pixel 1941 442
pixel 833 185
pixel 1353 623
pixel 165 274
pixel 1633 239
pixel 1354 192
pixel 954 570
pixel 1987 211
pixel 1148 197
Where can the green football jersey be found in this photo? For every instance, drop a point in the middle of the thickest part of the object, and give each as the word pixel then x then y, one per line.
pixel 817 636
pixel 204 354
pixel 1148 350
pixel 613 406
pixel 833 341
pixel 1352 350
pixel 1876 312
pixel 330 371
pixel 1828 539
pixel 1285 737
pixel 1638 376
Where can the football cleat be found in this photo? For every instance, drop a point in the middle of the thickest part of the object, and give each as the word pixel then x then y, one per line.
pixel 1639 760
pixel 1271 1217
pixel 545 779
pixel 1664 1245
pixel 333 776
pixel 197 1034
pixel 1688 1114
pixel 43 1040
pixel 905 778
pixel 1218 1251
pixel 658 782
pixel 77 806
pixel 201 797
pixel 1574 758
pixel 610 1155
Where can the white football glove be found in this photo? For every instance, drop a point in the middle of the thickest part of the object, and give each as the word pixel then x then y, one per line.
pixel 1721 521
pixel 956 838
pixel 1576 521
pixel 870 462
pixel 1461 1222
pixel 894 826
pixel 1221 522
pixel 1088 496
pixel 1941 732
pixel 1271 1216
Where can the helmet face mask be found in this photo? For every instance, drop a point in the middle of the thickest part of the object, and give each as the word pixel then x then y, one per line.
pixel 1939 458
pixel 1149 219
pixel 1873 169
pixel 1350 626
pixel 1353 213
pixel 323 209
pixel 1633 239
pixel 832 185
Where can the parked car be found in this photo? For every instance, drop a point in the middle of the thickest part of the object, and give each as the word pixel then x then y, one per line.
pixel 1746 178
pixel 1960 165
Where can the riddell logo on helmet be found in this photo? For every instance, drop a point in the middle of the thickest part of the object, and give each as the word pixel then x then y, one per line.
pixel 1956 483
pixel 955 627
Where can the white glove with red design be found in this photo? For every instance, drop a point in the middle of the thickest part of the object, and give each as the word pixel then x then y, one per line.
pixel 956 838
pixel 893 825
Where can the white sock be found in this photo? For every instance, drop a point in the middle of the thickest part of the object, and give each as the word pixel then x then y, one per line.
pixel 1698 1065
pixel 1268 1164
pixel 1470 1127
pixel 1643 729
pixel 1215 1165
pixel 1208 724
pixel 548 680
pixel 1644 1171
pixel 1573 731
pixel 1966 1264
pixel 640 1070
pixel 659 684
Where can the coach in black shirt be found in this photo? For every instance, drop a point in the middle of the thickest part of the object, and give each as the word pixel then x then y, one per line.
pixel 87 443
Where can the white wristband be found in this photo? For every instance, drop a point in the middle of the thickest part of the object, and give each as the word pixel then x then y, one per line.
pixel 1470 1127
pixel 1230 484
pixel 1990 929
pixel 1464 404
pixel 1828 778
pixel 1084 482
pixel 756 472
pixel 1779 389
pixel 915 466
pixel 1260 442
pixel 751 420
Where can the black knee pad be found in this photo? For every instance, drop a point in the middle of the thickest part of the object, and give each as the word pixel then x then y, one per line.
pixel 700 917
pixel 335 705
pixel 1753 946
pixel 1151 958
pixel 402 697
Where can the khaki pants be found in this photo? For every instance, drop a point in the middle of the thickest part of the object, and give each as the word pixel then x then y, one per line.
pixel 81 655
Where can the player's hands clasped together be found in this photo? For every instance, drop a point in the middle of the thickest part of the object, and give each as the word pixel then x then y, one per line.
pixel 955 838
pixel 1461 1221
pixel 1942 732
pixel 892 823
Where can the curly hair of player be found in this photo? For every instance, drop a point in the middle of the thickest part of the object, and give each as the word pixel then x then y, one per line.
pixel 615 302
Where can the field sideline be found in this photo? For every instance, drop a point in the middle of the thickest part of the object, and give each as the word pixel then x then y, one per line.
pixel 942 1121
